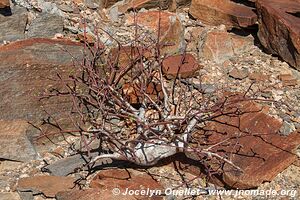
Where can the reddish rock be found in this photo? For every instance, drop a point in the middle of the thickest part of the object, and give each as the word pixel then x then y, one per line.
pixel 227 12
pixel 26 68
pixel 288 80
pixel 138 4
pixel 94 194
pixel 171 30
pixel 13 140
pixel 4 3
pixel 183 66
pixel 219 45
pixel 256 147
pixel 107 180
pixel 47 185
pixel 258 76
pixel 126 55
pixel 135 96
pixel 279 28
pixel 238 74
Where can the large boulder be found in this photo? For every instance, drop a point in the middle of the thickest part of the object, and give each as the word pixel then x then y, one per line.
pixel 46 25
pixel 227 12
pixel 27 69
pixel 279 28
pixel 218 45
pixel 252 143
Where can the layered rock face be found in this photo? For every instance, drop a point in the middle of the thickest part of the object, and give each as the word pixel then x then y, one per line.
pixel 279 28
pixel 227 12
pixel 28 68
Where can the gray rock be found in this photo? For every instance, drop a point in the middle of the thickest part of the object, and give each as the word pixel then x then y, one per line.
pixel 66 8
pixel 45 26
pixel 15 144
pixel 48 7
pixel 91 4
pixel 71 29
pixel 287 128
pixel 68 165
pixel 12 27
pixel 9 196
pixel 26 195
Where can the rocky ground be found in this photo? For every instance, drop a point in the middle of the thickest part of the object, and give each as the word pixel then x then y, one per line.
pixel 234 47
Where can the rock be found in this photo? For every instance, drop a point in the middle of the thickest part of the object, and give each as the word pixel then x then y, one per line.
pixel 238 74
pixel 88 37
pixel 49 7
pixel 219 45
pixel 45 26
pixel 26 195
pixel 23 80
pixel 66 8
pixel 258 76
pixel 68 165
pixel 259 151
pixel 8 165
pixel 13 27
pixel 288 80
pixel 279 28
pixel 181 66
pixel 108 3
pixel 227 12
pixel 24 65
pixel 287 128
pixel 147 4
pixel 126 55
pixel 122 179
pixel 9 195
pixel 134 96
pixel 47 185
pixel 4 3
pixel 91 4
pixel 172 34
pixel 94 194
pixel 14 140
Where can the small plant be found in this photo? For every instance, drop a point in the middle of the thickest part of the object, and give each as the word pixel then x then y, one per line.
pixel 124 100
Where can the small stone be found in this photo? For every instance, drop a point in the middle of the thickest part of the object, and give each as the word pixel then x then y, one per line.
pixel 71 29
pixel 183 66
pixel 58 36
pixel 287 128
pixel 66 8
pixel 238 74
pixel 88 37
pixel 288 79
pixel 91 4
pixel 258 76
